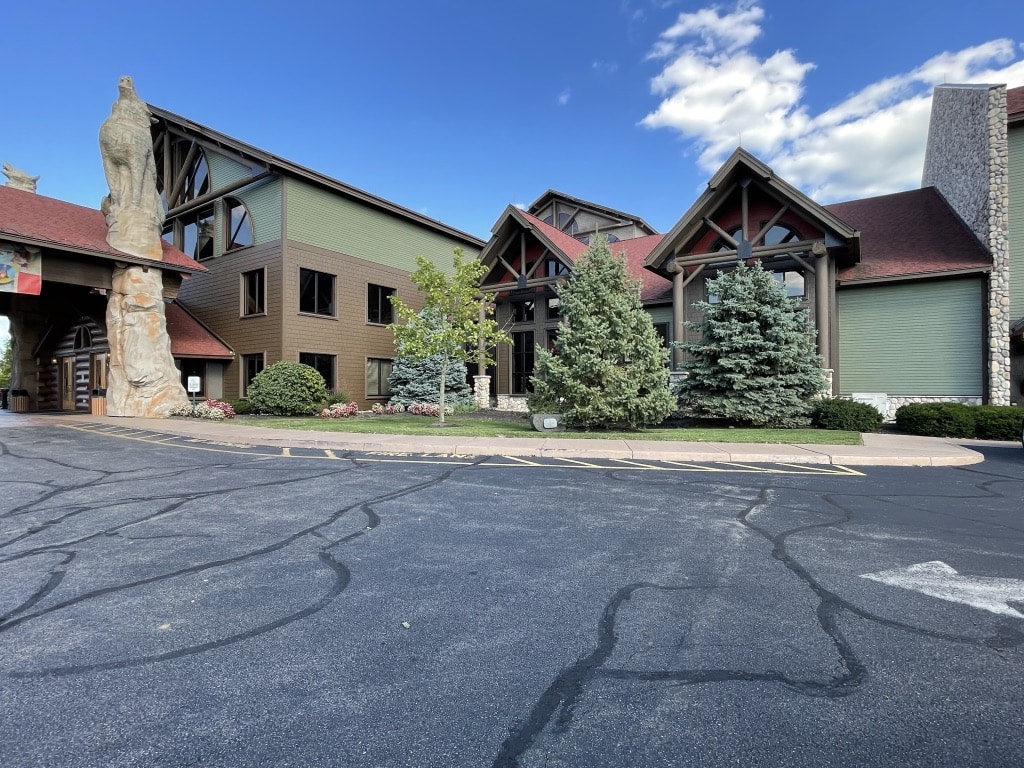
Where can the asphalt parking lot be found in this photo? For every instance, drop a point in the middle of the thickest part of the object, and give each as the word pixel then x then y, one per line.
pixel 176 605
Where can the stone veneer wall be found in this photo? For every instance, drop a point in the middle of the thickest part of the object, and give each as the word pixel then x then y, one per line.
pixel 515 403
pixel 967 160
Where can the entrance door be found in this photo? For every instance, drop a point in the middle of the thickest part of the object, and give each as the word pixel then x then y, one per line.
pixel 67 383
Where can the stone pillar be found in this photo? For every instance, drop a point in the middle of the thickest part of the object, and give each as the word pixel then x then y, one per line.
pixel 482 391
pixel 143 379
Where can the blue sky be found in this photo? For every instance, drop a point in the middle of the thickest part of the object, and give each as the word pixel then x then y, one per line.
pixel 456 108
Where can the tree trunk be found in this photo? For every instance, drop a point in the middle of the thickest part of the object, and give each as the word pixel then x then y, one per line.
pixel 440 397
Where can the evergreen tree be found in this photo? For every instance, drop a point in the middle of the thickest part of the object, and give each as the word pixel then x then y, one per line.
pixel 756 362
pixel 416 379
pixel 609 365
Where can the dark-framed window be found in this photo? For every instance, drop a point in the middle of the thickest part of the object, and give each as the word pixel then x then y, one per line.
pixel 554 307
pixel 237 225
pixel 523 311
pixel 324 365
pixel 792 280
pixel 555 268
pixel 662 330
pixel 378 304
pixel 254 292
pixel 378 369
pixel 252 364
pixel 522 361
pixel 198 234
pixel 316 293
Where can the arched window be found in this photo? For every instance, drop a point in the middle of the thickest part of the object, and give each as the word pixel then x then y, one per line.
pixel 83 338
pixel 238 226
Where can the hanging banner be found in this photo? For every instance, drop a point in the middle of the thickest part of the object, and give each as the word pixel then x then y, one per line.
pixel 21 269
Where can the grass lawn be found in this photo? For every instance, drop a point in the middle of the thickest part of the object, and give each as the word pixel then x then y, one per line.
pixel 474 425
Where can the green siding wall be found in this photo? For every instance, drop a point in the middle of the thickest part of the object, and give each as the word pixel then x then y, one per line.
pixel 1016 224
pixel 224 170
pixel 265 207
pixel 915 339
pixel 327 220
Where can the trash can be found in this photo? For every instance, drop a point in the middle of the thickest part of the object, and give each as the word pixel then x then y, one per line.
pixel 98 402
pixel 3 398
pixel 19 401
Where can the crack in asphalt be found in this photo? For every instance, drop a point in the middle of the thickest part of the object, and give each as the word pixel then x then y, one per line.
pixel 559 701
pixel 24 612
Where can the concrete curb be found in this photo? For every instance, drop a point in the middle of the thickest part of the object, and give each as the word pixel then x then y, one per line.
pixel 878 449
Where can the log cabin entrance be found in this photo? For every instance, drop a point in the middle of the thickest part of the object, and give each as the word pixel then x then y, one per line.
pixel 78 366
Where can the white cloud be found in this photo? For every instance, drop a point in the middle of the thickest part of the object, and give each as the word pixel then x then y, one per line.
pixel 563 97
pixel 719 93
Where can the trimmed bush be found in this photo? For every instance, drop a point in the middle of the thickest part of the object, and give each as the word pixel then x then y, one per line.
pixel 997 422
pixel 840 413
pixel 241 407
pixel 936 419
pixel 287 389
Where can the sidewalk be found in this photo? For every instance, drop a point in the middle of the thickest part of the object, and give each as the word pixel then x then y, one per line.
pixel 878 449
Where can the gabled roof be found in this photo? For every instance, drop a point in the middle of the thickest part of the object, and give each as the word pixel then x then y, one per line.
pixel 906 234
pixel 552 194
pixel 191 338
pixel 1015 105
pixel 741 164
pixel 214 140
pixel 46 222
pixel 654 287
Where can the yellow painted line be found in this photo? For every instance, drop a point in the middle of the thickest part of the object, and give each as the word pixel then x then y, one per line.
pixel 580 463
pixel 286 452
pixel 361 460
pixel 524 462
pixel 329 453
pixel 752 469
pixel 824 469
pixel 634 463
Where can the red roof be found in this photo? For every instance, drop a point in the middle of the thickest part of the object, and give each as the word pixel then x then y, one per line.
pixel 190 338
pixel 907 234
pixel 1015 102
pixel 64 226
pixel 654 287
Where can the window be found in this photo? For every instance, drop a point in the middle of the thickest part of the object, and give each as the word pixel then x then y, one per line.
pixel 378 369
pixel 237 224
pixel 522 362
pixel 554 304
pixel 254 293
pixel 198 234
pixel 792 281
pixel 555 268
pixel 324 365
pixel 523 311
pixel 316 293
pixel 378 304
pixel 251 365
pixel 662 330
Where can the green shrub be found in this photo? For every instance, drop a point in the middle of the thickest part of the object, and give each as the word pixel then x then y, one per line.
pixel 936 419
pixel 334 398
pixel 998 422
pixel 840 413
pixel 241 407
pixel 287 389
